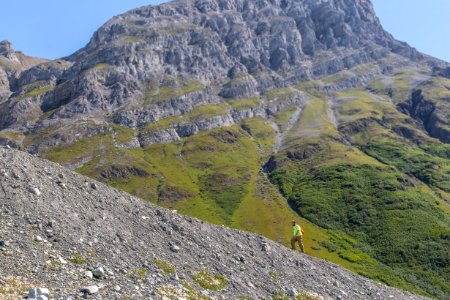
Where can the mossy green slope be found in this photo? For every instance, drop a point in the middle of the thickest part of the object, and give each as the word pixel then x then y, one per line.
pixel 215 176
pixel 381 187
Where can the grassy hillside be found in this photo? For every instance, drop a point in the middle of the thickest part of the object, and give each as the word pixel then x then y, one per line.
pixel 371 182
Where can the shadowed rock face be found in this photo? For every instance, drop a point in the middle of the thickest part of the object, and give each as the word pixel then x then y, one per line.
pixel 434 120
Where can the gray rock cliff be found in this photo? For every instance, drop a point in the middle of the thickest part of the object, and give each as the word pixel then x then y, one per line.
pixel 159 61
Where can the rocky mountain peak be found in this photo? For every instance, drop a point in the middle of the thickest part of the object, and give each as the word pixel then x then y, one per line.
pixel 207 38
pixel 199 52
pixel 7 51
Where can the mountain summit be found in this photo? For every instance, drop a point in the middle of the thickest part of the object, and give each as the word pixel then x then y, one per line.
pixel 241 48
pixel 253 113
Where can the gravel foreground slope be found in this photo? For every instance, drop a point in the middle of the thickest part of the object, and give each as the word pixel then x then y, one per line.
pixel 66 232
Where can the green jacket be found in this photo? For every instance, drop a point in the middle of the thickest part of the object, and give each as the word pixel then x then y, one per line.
pixel 296 230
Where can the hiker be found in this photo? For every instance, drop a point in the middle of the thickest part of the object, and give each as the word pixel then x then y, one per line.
pixel 297 237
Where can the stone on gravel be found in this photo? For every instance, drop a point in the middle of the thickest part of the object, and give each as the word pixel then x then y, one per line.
pixel 291 292
pixel 174 248
pixel 35 190
pixel 38 294
pixel 90 290
pixel 88 274
pixel 99 272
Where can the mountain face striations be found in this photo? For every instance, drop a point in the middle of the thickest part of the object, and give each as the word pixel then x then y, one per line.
pixel 251 114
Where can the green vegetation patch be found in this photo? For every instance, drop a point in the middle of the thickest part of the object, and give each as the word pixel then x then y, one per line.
pixel 176 29
pixel 13 288
pixel 77 259
pixel 411 159
pixel 315 120
pixel 209 282
pixel 337 78
pixel 100 67
pixel 359 104
pixel 227 187
pixel 437 88
pixel 198 113
pixel 171 89
pixel 274 275
pixel 383 212
pixel 123 134
pixel 173 292
pixel 77 151
pixel 38 92
pixel 11 135
pixel 165 266
pixel 312 87
pixel 301 296
pixel 280 94
pixel 131 40
pixel 35 89
pixel 363 69
pixel 262 131
pixel 138 274
pixel 307 296
pixel 398 86
pixel 282 117
pixel 243 103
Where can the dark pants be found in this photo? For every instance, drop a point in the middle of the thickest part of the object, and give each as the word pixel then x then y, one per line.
pixel 298 239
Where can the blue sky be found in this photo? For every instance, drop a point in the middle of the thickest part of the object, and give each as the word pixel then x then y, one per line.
pixel 56 28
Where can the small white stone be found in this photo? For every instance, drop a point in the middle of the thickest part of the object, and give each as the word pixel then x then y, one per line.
pixel 62 260
pixel 88 274
pixel 99 272
pixel 35 191
pixel 92 289
pixel 117 288
pixel 38 238
pixel 174 248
